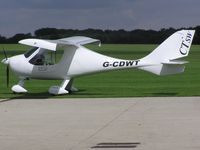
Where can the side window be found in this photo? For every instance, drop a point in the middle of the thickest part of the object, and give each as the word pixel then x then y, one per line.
pixel 57 55
pixel 46 57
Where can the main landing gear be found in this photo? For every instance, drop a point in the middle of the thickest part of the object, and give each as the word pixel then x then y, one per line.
pixel 65 88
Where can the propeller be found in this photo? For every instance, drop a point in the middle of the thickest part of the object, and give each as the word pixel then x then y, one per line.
pixel 5 53
pixel 5 61
pixel 7 76
pixel 55 57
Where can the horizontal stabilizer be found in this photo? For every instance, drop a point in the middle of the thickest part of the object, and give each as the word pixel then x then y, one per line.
pixel 174 62
pixel 164 69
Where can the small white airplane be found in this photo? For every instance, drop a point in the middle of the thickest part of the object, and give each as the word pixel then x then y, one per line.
pixel 77 60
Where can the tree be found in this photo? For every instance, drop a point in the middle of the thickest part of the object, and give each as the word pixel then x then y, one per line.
pixel 121 36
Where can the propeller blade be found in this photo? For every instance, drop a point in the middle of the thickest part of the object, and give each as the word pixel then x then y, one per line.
pixel 5 53
pixel 7 76
pixel 55 57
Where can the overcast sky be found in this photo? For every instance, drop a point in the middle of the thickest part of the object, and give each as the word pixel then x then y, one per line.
pixel 24 16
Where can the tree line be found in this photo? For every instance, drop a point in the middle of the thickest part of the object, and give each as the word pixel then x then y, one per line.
pixel 138 36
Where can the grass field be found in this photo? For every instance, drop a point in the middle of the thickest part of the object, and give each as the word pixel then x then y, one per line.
pixel 122 83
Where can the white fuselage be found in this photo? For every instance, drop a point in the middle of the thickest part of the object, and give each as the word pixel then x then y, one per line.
pixel 74 62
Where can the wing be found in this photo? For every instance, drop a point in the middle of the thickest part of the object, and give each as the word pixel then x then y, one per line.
pixel 78 40
pixel 52 45
pixel 39 43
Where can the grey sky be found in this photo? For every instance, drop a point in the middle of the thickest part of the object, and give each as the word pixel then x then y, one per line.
pixel 25 16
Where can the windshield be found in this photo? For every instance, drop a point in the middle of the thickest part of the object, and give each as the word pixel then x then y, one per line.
pixel 30 52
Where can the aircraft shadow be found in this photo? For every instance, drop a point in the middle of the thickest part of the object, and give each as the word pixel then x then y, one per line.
pixel 165 94
pixel 45 95
pixel 42 95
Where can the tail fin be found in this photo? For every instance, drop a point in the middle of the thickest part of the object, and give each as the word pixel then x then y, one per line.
pixel 165 59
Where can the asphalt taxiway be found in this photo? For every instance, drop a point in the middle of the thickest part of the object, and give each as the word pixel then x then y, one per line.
pixel 84 124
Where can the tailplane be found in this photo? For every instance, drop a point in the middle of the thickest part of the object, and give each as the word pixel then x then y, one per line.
pixel 167 58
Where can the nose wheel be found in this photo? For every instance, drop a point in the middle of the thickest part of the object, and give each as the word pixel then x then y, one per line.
pixel 18 88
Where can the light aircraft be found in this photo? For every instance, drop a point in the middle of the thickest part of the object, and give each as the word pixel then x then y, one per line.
pixel 77 60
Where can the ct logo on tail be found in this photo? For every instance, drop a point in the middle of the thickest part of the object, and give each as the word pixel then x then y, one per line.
pixel 185 44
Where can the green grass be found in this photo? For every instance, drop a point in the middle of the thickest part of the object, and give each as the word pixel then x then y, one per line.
pixel 122 83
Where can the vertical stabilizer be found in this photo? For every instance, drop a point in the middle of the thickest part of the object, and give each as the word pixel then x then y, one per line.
pixel 165 59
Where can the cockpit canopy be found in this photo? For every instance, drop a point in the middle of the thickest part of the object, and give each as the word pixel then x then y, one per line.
pixel 40 56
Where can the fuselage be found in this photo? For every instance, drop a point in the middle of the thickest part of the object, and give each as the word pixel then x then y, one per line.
pixel 74 62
